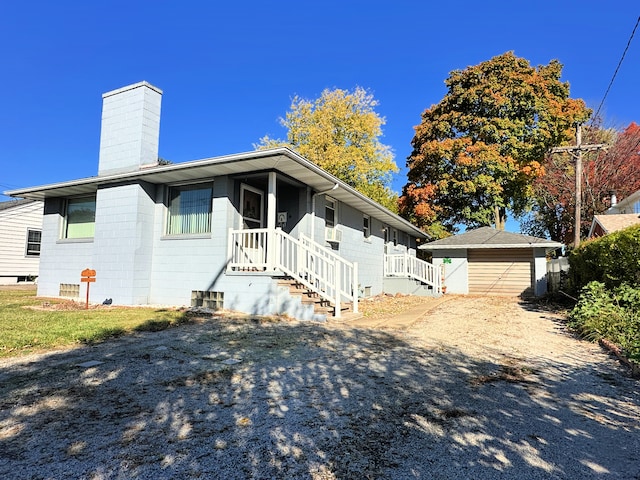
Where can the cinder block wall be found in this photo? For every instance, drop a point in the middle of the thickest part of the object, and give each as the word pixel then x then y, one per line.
pixel 130 130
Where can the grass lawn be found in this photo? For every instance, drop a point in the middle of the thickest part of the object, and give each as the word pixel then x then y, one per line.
pixel 29 324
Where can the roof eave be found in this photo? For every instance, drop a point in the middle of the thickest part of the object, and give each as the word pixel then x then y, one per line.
pixel 91 184
pixel 428 247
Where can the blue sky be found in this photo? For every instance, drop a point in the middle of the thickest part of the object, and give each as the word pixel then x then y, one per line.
pixel 228 70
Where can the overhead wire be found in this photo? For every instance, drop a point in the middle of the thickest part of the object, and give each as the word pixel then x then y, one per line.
pixel 616 72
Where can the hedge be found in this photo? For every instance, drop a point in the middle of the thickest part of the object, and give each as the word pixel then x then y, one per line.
pixel 612 260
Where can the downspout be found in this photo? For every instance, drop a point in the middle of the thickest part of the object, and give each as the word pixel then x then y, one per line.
pixel 313 208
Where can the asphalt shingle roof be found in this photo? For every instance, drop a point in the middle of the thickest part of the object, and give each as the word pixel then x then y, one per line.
pixel 488 237
pixel 14 203
pixel 620 221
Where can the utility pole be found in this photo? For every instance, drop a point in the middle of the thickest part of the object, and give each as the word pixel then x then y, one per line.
pixel 576 152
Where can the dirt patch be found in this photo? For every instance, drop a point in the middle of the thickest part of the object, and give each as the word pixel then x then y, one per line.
pixel 474 388
pixel 384 306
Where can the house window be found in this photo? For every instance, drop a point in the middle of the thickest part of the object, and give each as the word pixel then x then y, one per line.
pixel 636 207
pixel 33 243
pixel 366 226
pixel 80 217
pixel 387 232
pixel 330 212
pixel 394 234
pixel 190 209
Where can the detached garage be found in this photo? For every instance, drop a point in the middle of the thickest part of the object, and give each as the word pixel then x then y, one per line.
pixel 487 261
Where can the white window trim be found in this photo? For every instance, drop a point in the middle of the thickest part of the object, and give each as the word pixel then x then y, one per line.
pixel 332 200
pixel 26 253
pixel 366 231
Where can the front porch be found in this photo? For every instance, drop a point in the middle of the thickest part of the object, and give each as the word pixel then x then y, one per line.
pixel 310 264
pixel 316 268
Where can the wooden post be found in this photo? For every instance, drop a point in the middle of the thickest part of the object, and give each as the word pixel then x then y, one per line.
pixel 576 233
pixel 88 276
pixel 576 151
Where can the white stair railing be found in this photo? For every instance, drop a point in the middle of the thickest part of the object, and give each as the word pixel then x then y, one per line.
pixel 405 265
pixel 314 266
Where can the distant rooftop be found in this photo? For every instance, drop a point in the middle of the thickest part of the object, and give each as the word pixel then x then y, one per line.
pixel 14 203
pixel 615 222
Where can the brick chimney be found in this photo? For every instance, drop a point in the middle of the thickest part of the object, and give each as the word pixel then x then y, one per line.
pixel 130 130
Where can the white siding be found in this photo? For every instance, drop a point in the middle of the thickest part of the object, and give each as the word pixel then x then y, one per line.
pixel 15 222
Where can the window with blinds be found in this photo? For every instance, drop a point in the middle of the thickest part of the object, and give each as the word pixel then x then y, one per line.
pixel 190 208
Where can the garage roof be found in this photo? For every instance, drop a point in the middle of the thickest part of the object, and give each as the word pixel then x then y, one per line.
pixel 488 237
pixel 280 159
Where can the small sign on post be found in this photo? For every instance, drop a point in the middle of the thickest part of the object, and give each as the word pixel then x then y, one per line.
pixel 88 276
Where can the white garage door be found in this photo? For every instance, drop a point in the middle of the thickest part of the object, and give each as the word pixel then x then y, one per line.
pixel 501 271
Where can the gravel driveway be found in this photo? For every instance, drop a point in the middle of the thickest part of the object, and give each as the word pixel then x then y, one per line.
pixel 476 388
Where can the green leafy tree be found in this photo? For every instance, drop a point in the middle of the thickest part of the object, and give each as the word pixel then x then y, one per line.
pixel 477 152
pixel 340 132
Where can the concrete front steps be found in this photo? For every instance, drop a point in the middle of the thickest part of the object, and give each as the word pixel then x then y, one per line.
pixel 322 308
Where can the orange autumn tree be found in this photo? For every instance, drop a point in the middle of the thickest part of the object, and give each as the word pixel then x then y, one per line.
pixel 477 152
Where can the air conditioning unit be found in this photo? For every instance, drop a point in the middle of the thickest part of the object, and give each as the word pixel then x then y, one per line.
pixel 332 234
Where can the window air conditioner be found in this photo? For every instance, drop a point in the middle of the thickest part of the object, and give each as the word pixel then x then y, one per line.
pixel 332 234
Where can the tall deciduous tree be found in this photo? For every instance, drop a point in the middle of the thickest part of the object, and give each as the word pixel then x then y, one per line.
pixel 477 152
pixel 616 170
pixel 340 132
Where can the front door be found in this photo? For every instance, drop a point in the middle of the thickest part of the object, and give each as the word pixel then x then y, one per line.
pixel 252 211
pixel 251 207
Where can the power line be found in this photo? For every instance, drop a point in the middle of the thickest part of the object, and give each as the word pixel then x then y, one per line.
pixel 616 72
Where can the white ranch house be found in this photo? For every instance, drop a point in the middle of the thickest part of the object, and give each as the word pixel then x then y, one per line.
pixel 262 232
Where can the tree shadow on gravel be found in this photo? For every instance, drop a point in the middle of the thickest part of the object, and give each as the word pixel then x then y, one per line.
pixel 239 399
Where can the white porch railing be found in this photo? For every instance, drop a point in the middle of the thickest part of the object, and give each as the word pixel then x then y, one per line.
pixel 405 265
pixel 314 266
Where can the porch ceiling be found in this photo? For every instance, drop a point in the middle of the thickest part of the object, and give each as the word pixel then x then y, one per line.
pixel 278 159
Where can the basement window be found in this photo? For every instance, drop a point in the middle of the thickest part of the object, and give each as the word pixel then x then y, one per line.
pixel 69 290
pixel 207 299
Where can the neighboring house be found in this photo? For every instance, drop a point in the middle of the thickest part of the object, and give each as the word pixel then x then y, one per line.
pixel 20 231
pixel 605 224
pixel 487 261
pixel 618 217
pixel 630 204
pixel 239 232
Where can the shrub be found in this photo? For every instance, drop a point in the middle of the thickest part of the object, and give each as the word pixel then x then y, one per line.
pixel 612 260
pixel 609 314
